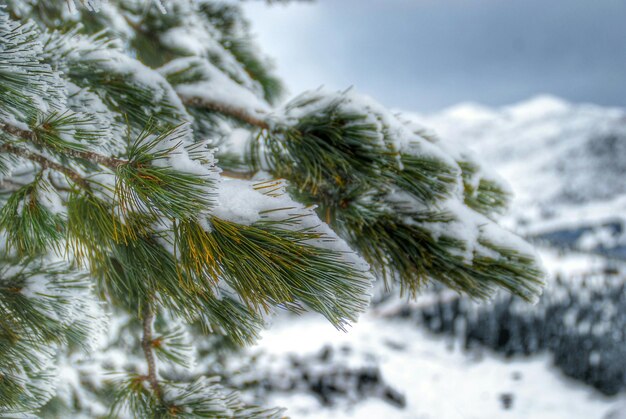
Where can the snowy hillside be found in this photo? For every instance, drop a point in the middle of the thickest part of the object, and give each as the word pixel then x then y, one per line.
pixel 436 376
pixel 566 164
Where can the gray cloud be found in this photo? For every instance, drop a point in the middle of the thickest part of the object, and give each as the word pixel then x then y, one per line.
pixel 427 54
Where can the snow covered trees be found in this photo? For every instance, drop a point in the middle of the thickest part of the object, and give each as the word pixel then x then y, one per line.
pixel 140 146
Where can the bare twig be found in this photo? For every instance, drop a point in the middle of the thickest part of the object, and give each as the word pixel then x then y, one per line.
pixel 237 175
pixel 147 346
pixel 110 162
pixel 44 162
pixel 18 132
pixel 114 162
pixel 225 109
pixel 90 156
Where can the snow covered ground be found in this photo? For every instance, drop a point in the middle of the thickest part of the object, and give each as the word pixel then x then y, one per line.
pixel 438 379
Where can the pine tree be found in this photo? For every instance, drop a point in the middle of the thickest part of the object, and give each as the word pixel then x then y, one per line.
pixel 154 193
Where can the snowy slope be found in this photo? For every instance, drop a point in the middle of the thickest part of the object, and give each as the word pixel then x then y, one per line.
pixel 439 380
pixel 566 164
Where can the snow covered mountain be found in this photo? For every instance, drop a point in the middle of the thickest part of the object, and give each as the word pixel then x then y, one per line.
pixel 566 165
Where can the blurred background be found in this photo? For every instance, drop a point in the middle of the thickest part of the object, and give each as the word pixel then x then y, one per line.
pixel 537 90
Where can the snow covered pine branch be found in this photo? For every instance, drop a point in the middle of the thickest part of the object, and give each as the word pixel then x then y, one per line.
pixel 139 152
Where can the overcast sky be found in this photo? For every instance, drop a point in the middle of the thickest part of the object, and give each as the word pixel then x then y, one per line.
pixel 428 54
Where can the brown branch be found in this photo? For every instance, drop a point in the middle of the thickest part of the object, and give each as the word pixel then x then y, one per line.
pixel 18 132
pixel 237 175
pixel 43 162
pixel 93 157
pixel 113 162
pixel 147 344
pixel 225 109
pixel 110 162
pixel 90 156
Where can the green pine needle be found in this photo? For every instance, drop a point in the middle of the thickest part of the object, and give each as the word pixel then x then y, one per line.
pixel 268 265
pixel 488 196
pixel 31 228
pixel 144 186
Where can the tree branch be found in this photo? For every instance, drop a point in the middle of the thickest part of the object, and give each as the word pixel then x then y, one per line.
pixel 113 162
pixel 225 109
pixel 17 132
pixel 110 162
pixel 146 344
pixel 237 175
pixel 43 162
pixel 90 156
pixel 93 157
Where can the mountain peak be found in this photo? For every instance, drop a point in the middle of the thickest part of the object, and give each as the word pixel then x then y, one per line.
pixel 537 106
pixel 565 162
